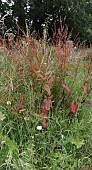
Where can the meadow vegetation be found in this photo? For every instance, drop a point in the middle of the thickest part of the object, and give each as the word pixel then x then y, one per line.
pixel 45 106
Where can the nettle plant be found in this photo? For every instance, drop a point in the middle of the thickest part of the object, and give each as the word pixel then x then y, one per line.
pixel 43 79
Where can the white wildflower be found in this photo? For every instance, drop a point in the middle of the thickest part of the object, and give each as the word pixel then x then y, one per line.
pixel 8 102
pixel 39 127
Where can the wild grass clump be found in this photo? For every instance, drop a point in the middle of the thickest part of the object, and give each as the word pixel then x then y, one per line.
pixel 45 106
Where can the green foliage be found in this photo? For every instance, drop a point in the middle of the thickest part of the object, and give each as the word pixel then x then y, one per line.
pixel 76 14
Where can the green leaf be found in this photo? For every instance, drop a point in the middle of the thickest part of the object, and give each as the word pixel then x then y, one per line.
pixel 10 143
pixel 78 142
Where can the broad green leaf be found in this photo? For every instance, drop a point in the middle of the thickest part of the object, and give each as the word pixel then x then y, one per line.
pixel 78 142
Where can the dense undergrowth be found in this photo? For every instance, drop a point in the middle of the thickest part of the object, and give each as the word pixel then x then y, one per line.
pixel 45 107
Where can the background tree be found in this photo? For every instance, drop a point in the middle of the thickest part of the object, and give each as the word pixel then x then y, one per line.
pixel 76 14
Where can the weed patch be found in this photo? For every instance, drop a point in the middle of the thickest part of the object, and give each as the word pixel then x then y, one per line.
pixel 45 107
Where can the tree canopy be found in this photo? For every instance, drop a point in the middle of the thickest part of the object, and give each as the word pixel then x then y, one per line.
pixel 76 14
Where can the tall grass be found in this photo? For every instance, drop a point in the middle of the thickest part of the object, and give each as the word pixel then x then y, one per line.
pixel 45 106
